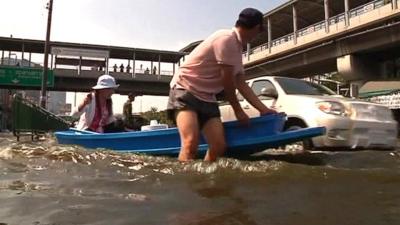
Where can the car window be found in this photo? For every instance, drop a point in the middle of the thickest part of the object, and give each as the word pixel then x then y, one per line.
pixel 302 87
pixel 259 85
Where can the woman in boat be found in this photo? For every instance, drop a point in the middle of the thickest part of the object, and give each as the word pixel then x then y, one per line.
pixel 95 110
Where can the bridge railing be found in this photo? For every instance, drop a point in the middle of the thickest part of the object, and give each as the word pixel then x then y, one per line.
pixel 310 29
pixel 162 72
pixel 143 71
pixel 367 7
pixel 360 10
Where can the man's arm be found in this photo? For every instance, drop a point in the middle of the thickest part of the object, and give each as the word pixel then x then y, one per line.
pixel 249 95
pixel 230 94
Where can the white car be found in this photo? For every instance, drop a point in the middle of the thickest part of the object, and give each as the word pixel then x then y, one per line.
pixel 350 123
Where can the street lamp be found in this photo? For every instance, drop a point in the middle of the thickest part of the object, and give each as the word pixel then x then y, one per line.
pixel 46 56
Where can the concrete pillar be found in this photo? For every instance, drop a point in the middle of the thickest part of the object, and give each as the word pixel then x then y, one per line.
pixel 248 51
pixel 2 57
pixel 107 65
pixel 353 67
pixel 294 23
pixel 80 65
pixel 159 64
pixel 51 61
pixel 357 70
pixel 30 58
pixel 173 68
pixel 355 87
pixel 394 4
pixel 22 53
pixel 134 65
pixel 269 34
pixel 346 13
pixel 326 9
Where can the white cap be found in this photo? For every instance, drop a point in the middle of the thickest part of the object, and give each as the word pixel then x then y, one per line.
pixel 105 81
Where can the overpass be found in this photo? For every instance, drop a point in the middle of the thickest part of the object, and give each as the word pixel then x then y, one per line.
pixel 356 38
pixel 76 66
pixel 68 80
pixel 140 83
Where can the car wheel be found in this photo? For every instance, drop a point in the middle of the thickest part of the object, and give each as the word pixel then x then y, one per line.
pixel 303 145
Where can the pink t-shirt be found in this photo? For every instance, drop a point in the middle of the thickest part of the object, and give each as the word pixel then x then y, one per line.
pixel 200 73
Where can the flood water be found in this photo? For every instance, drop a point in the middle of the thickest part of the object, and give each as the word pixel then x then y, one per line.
pixel 43 183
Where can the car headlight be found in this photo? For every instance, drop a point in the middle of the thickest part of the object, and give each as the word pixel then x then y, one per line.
pixel 334 108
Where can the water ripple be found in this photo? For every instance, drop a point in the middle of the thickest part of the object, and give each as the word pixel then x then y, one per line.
pixel 139 164
pixel 23 186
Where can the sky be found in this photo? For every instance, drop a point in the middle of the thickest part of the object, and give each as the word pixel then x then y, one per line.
pixel 152 24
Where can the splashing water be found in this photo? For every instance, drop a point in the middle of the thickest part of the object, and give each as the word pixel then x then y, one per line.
pixel 45 183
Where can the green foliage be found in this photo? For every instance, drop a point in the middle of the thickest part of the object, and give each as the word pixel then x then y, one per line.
pixel 337 77
pixel 160 116
pixel 333 77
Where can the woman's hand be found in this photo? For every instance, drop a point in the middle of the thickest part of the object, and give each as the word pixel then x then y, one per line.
pixel 86 101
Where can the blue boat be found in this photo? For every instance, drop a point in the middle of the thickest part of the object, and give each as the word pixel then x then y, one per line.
pixel 264 132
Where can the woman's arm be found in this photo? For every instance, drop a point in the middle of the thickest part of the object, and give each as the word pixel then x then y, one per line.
pixel 78 111
pixel 85 102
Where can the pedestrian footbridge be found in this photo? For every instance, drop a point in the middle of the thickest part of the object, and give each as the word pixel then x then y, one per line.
pixel 312 37
pixel 76 66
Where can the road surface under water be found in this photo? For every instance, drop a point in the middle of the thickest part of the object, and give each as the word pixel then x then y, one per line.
pixel 43 183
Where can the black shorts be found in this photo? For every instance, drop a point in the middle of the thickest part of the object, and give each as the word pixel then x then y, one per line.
pixel 181 99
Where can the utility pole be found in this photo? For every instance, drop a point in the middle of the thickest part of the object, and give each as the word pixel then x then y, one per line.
pixel 43 97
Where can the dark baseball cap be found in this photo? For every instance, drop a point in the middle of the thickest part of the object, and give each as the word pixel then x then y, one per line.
pixel 250 17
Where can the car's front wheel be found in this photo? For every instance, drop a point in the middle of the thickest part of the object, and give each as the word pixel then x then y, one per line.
pixel 305 144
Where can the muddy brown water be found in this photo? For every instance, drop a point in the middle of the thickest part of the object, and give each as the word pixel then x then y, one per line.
pixel 43 183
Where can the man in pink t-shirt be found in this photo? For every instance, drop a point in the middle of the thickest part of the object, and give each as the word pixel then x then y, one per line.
pixel 212 67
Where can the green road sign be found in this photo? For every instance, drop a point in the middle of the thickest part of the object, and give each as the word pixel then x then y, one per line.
pixel 20 76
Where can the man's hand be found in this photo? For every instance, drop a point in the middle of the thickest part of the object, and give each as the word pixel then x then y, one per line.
pixel 267 111
pixel 242 117
pixel 251 97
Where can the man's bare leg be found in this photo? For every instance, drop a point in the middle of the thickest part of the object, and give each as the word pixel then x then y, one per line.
pixel 213 131
pixel 186 121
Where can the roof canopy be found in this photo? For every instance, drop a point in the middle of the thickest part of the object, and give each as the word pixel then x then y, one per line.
pixel 376 88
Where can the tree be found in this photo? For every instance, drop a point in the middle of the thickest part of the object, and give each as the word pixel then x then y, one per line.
pixel 160 116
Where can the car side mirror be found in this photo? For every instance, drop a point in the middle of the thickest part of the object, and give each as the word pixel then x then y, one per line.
pixel 269 92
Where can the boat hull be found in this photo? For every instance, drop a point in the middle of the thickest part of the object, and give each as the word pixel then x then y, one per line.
pixel 264 132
